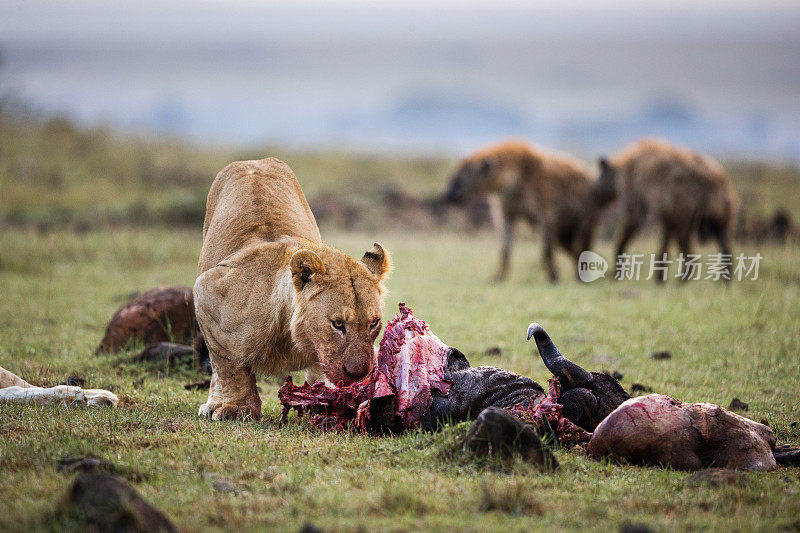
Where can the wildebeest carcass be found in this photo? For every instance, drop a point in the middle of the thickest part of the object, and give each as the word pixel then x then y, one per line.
pixel 420 382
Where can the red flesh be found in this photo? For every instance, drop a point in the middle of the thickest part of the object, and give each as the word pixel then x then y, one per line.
pixel 410 364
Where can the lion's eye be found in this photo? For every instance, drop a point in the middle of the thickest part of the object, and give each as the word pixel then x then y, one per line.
pixel 338 324
pixel 375 323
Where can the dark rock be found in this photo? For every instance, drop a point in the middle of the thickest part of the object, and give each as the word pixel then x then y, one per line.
pixel 717 476
pixel 494 351
pixel 793 425
pixel 166 351
pixel 638 387
pixel 617 375
pixel 104 502
pixel 787 455
pixel 224 486
pixel 310 528
pixel 661 355
pixel 74 381
pixel 200 385
pixel 72 463
pixel 497 433
pixel 634 528
pixel 738 405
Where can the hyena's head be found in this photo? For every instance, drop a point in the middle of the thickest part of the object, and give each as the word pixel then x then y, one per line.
pixel 472 178
pixel 606 188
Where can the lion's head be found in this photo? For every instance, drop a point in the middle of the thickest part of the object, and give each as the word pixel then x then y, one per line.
pixel 338 304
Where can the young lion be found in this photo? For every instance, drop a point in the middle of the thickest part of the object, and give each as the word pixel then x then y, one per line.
pixel 271 297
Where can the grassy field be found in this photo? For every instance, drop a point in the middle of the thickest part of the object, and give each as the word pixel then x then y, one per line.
pixel 59 289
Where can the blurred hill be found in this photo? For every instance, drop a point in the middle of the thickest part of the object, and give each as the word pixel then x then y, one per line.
pixel 55 174
pixel 584 77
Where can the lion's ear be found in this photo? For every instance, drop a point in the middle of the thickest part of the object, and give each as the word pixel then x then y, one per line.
pixel 377 260
pixel 305 264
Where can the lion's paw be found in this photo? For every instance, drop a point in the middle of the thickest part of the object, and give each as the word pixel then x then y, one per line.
pixel 236 412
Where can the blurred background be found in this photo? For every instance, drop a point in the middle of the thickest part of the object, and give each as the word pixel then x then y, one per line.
pixel 378 98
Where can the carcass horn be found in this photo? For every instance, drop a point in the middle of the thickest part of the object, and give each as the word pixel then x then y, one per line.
pixel 569 374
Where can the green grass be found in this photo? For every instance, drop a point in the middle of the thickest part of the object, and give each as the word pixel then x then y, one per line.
pixel 60 289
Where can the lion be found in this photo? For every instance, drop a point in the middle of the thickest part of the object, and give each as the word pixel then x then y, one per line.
pixel 537 186
pixel 271 298
pixel 682 191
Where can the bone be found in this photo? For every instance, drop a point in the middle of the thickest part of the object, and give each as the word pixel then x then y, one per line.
pixel 659 430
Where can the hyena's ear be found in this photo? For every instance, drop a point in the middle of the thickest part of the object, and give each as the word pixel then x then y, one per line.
pixel 305 265
pixel 377 261
pixel 604 166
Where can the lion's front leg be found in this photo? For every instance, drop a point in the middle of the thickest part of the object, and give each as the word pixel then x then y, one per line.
pixel 232 395
pixel 315 373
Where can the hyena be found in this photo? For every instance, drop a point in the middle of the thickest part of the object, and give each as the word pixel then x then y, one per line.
pixel 683 191
pixel 553 190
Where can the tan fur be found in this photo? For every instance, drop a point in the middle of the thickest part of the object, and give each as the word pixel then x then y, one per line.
pixel 681 190
pixel 552 189
pixel 269 291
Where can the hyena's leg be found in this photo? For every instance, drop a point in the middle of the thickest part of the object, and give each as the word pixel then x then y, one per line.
pixel 547 254
pixel 685 244
pixel 505 250
pixel 666 236
pixel 629 228
pixel 724 247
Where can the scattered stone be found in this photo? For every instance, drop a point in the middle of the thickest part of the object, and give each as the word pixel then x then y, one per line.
pixel 308 527
pixel 738 405
pixel 497 433
pixel 72 463
pixel 617 375
pixel 166 351
pixel 74 381
pixel 200 385
pixel 104 502
pixel 634 528
pixel 787 455
pixel 224 486
pixel 717 476
pixel 494 351
pixel 661 355
pixel 638 387
pixel 793 425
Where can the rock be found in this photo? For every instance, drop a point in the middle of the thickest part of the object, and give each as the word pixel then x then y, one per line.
pixel 497 433
pixel 166 351
pixel 717 476
pixel 494 351
pixel 74 381
pixel 72 463
pixel 617 375
pixel 310 528
pixel 738 405
pixel 661 355
pixel 634 528
pixel 103 502
pixel 787 455
pixel 224 486
pixel 638 387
